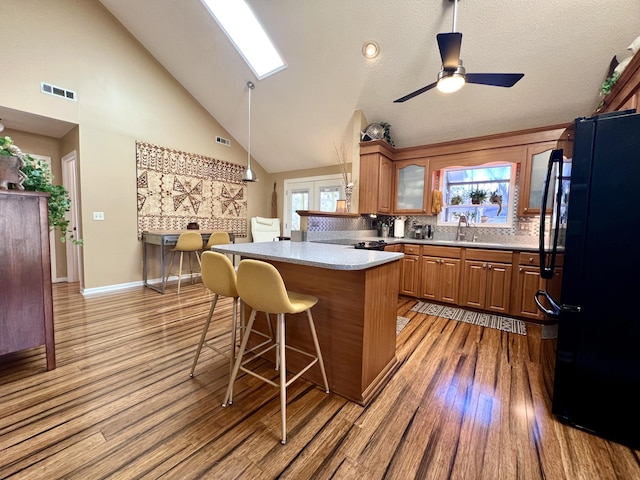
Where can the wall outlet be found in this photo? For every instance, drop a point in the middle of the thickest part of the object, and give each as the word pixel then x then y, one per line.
pixel 98 215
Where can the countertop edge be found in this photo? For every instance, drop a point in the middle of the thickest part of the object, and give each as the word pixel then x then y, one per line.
pixel 338 257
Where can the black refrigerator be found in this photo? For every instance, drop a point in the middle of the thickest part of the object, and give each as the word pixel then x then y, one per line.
pixel 597 226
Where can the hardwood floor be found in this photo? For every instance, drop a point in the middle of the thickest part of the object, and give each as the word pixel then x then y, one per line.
pixel 466 403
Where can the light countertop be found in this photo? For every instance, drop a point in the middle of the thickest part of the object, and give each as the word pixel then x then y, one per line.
pixel 322 255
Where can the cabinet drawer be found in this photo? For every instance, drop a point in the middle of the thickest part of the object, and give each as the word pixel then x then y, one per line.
pixel 446 252
pixel 505 256
pixel 412 249
pixel 532 259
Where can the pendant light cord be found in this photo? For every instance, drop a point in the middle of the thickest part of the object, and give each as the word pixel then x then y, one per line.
pixel 251 87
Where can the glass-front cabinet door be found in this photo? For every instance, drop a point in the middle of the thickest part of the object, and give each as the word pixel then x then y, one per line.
pixel 532 177
pixel 411 186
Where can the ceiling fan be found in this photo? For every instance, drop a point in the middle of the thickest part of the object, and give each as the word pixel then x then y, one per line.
pixel 452 77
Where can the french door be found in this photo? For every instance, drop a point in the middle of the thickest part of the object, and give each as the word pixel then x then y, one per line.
pixel 311 193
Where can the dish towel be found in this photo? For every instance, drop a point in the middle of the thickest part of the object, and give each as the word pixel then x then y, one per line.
pixel 436 202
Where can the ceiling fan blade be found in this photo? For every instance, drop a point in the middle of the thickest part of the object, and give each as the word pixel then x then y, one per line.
pixel 449 45
pixel 495 79
pixel 416 93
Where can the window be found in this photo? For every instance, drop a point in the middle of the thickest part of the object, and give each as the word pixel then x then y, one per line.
pixel 484 194
pixel 242 27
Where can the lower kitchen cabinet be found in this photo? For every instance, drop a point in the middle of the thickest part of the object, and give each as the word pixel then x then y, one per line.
pixel 486 280
pixel 440 274
pixel 410 271
pixel 529 282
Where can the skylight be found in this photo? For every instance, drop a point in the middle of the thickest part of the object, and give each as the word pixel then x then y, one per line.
pixel 243 29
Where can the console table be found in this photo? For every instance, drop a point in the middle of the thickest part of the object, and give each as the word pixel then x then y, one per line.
pixel 162 240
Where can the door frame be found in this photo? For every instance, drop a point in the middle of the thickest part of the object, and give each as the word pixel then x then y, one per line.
pixel 70 183
pixel 314 183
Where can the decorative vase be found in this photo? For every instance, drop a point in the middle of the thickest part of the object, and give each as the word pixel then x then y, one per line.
pixel 348 191
pixel 10 172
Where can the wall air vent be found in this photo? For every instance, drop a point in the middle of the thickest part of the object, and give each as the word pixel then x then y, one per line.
pixel 58 91
pixel 223 141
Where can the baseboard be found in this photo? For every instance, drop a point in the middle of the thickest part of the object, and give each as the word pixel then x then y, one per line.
pixel 125 286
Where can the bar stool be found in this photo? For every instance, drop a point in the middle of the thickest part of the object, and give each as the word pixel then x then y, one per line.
pixel 219 276
pixel 218 238
pixel 261 286
pixel 188 242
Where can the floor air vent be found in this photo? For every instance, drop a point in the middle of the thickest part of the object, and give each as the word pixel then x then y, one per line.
pixel 223 141
pixel 58 91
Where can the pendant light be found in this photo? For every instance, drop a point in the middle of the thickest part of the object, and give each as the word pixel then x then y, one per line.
pixel 249 176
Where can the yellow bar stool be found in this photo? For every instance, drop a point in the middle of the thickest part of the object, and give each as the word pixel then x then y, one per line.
pixel 261 286
pixel 219 276
pixel 217 238
pixel 188 242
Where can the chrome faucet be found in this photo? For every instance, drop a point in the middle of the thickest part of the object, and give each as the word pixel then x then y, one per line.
pixel 460 235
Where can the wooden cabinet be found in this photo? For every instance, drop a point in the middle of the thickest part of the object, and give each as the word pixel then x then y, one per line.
pixel 532 176
pixel 376 179
pixel 410 270
pixel 486 280
pixel 440 274
pixel 626 92
pixel 528 282
pixel 411 186
pixel 26 316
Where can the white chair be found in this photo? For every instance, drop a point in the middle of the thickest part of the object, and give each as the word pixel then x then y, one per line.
pixel 265 229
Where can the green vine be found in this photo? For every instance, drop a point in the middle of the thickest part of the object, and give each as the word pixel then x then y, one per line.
pixel 608 84
pixel 40 179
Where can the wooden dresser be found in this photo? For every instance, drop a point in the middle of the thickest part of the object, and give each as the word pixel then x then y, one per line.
pixel 26 303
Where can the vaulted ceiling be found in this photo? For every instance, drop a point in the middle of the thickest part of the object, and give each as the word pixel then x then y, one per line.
pixel 563 47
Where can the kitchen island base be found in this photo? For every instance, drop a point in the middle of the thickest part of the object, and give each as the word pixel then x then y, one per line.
pixel 355 319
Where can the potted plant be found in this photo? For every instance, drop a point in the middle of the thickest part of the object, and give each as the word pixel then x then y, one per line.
pixel 478 196
pixel 36 176
pixel 456 200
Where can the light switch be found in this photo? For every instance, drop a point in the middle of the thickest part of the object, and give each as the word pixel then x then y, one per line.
pixel 98 215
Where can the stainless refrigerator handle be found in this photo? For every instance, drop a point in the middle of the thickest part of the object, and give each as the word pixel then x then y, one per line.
pixel 555 308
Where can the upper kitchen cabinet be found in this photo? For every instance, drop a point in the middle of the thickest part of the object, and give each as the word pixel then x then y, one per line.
pixel 532 176
pixel 376 177
pixel 412 186
pixel 626 92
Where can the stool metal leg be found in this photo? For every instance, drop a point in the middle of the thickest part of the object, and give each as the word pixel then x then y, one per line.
pixel 283 375
pixel 204 333
pixel 228 398
pixel 318 353
pixel 180 272
pixel 234 328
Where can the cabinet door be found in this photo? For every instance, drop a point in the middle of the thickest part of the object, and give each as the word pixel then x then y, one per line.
pixel 385 182
pixel 474 284
pixel 449 282
pixel 409 275
pixel 376 180
pixel 498 287
pixel 532 176
pixel 411 185
pixel 430 278
pixel 528 284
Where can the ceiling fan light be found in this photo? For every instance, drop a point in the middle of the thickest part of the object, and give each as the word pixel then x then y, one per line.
pixel 450 83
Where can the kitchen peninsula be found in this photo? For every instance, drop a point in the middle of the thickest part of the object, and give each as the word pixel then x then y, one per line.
pixel 355 315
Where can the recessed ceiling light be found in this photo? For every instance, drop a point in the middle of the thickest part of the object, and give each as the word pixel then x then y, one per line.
pixel 370 49
pixel 245 32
